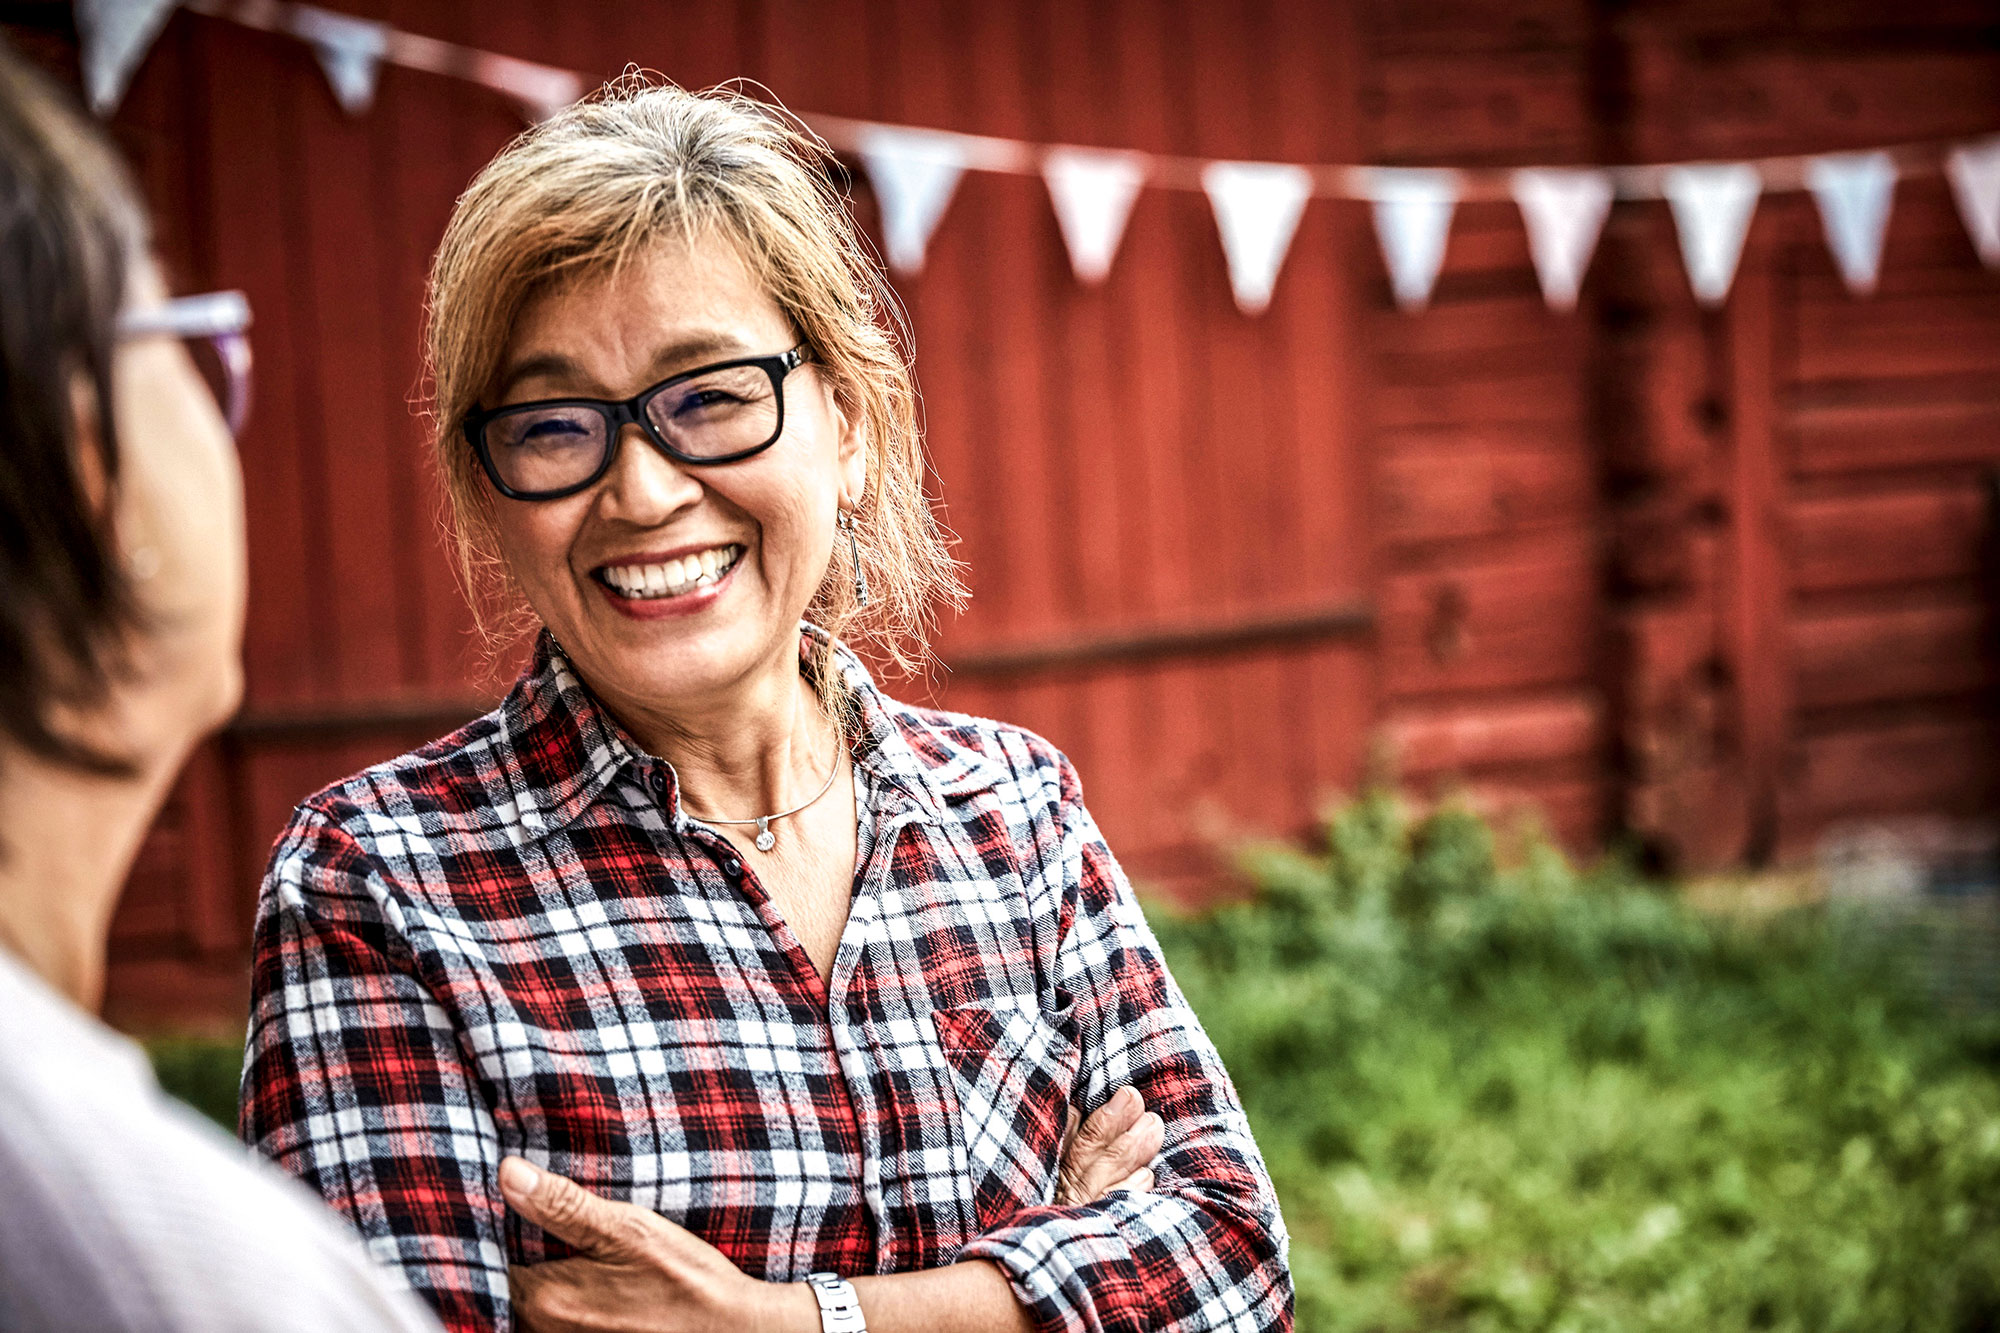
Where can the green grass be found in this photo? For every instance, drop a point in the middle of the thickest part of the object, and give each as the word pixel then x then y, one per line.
pixel 1540 1099
pixel 201 1071
pixel 1537 1098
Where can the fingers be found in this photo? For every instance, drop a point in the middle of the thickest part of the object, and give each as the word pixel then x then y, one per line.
pixel 1109 1149
pixel 592 1225
pixel 1139 1182
pixel 1110 1120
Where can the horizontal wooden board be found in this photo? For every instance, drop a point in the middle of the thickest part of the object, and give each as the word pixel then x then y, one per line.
pixel 1899 655
pixel 1438 485
pixel 1451 736
pixel 1959 423
pixel 1529 619
pixel 1517 108
pixel 1945 765
pixel 1946 332
pixel 1882 538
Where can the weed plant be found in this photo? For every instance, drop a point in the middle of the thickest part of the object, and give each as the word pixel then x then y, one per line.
pixel 1533 1098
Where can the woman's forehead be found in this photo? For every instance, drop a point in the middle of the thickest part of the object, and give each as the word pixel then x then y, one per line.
pixel 670 306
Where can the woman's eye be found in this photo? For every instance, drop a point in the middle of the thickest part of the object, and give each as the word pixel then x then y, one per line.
pixel 707 398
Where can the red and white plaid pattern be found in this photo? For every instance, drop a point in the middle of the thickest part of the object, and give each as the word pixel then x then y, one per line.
pixel 514 940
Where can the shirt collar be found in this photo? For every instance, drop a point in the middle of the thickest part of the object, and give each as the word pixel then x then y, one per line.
pixel 562 748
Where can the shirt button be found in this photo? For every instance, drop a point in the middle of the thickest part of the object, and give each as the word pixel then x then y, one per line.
pixel 731 866
pixel 659 782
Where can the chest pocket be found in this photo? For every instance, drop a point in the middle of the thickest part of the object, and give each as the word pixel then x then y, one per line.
pixel 1013 1070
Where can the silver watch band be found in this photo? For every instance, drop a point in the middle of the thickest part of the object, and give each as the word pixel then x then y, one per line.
pixel 839 1308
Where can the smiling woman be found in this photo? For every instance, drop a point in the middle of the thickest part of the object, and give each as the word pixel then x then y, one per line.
pixel 726 1072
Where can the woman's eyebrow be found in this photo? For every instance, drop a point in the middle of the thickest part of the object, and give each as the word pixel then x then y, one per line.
pixel 669 359
pixel 697 348
pixel 548 365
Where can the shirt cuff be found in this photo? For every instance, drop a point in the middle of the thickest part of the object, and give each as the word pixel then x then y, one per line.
pixel 1071 1269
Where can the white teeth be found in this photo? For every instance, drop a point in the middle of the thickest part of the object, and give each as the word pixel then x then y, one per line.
pixel 672 577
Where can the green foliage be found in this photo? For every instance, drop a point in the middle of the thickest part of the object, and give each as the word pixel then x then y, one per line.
pixel 1535 1098
pixel 201 1071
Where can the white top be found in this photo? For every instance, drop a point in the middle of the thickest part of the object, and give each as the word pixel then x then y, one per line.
pixel 122 1210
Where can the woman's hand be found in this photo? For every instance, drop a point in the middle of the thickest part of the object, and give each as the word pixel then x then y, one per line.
pixel 1110 1151
pixel 634 1269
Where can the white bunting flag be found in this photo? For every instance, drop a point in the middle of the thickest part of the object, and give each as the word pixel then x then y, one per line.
pixel 350 50
pixel 115 36
pixel 1712 204
pixel 1257 207
pixel 1092 191
pixel 914 173
pixel 1413 207
pixel 1974 169
pixel 1564 211
pixel 1853 191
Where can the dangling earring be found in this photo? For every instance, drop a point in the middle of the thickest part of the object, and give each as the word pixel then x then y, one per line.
pixel 845 522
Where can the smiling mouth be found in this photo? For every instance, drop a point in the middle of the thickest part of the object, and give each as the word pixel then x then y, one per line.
pixel 670 578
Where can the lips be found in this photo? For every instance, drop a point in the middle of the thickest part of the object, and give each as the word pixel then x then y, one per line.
pixel 651 580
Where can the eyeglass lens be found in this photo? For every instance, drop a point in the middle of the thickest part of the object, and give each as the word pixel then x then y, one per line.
pixel 727 411
pixel 223 361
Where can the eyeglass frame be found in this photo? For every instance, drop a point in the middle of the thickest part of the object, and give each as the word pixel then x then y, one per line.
pixel 620 413
pixel 223 318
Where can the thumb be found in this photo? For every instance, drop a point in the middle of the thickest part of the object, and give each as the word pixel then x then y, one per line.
pixel 592 1225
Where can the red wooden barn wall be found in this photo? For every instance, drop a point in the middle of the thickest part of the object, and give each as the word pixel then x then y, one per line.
pixel 1716 579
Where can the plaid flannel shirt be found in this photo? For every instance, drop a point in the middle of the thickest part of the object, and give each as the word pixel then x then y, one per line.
pixel 514 940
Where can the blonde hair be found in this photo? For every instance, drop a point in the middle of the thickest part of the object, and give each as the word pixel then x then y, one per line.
pixel 638 163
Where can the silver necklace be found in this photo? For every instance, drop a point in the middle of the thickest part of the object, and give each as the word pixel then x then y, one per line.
pixel 765 839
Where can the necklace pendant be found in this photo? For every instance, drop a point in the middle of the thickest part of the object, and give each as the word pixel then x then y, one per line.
pixel 765 839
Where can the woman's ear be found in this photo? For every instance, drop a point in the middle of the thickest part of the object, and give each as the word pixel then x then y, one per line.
pixel 850 455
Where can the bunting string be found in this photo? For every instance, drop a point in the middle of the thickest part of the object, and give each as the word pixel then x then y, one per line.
pixel 1257 205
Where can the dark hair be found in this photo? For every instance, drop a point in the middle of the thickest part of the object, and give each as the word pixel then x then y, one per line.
pixel 71 229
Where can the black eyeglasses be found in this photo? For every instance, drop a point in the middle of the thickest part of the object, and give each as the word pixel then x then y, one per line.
pixel 555 447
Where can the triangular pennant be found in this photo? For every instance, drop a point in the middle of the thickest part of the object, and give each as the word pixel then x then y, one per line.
pixel 1092 191
pixel 1564 211
pixel 1974 169
pixel 1853 191
pixel 1257 207
pixel 115 36
pixel 1413 208
pixel 1712 204
pixel 914 173
pixel 350 50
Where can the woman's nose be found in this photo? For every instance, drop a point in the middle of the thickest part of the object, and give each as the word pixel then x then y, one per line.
pixel 645 486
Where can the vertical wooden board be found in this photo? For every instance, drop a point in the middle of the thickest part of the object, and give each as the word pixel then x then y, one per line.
pixel 242 76
pixel 919 87
pixel 814 55
pixel 1340 681
pixel 1243 445
pixel 1028 476
pixel 1084 356
pixel 351 469
pixel 429 160
pixel 1325 467
pixel 1148 289
pixel 696 45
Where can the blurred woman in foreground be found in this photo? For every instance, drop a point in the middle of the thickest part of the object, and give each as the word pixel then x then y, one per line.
pixel 121 612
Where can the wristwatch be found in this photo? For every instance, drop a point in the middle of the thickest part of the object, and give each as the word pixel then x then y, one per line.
pixel 839 1308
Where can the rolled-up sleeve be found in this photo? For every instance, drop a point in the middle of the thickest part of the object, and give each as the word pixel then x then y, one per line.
pixel 354 1081
pixel 1207 1248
